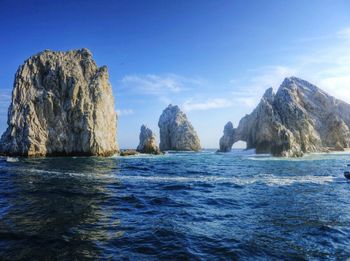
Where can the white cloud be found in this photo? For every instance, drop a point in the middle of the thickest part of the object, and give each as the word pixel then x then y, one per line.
pixel 270 76
pixel 158 84
pixel 344 33
pixel 337 86
pixel 327 66
pixel 210 104
pixel 125 112
pixel 249 89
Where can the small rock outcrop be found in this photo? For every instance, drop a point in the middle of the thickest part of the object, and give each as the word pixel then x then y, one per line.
pixel 148 142
pixel 226 140
pixel 128 152
pixel 62 104
pixel 176 132
pixel 298 119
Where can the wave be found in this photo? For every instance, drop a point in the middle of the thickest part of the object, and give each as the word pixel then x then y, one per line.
pixel 12 159
pixel 267 179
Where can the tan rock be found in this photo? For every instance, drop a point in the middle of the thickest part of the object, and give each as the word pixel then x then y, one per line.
pixel 148 143
pixel 298 119
pixel 62 104
pixel 176 132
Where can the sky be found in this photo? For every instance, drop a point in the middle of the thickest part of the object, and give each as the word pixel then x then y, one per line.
pixel 214 59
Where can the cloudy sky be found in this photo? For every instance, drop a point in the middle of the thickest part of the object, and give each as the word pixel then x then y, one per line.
pixel 212 58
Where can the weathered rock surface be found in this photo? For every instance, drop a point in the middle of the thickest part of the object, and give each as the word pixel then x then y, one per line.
pixel 176 132
pixel 148 142
pixel 62 104
pixel 299 118
pixel 226 140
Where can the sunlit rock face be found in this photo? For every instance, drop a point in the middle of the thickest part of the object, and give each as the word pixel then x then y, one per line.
pixel 176 132
pixel 298 119
pixel 62 104
pixel 148 142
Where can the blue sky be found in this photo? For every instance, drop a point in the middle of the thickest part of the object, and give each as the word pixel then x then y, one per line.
pixel 212 58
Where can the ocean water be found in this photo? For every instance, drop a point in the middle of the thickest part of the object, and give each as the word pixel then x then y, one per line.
pixel 180 206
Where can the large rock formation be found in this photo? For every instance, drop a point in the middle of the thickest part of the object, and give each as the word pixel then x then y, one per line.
pixel 226 140
pixel 148 142
pixel 299 118
pixel 176 132
pixel 62 104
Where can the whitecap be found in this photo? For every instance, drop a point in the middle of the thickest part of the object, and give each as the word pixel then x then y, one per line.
pixel 267 179
pixel 12 159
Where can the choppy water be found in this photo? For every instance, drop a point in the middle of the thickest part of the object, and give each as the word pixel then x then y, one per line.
pixel 178 206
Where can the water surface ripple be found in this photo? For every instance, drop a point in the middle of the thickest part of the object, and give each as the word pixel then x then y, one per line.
pixel 197 206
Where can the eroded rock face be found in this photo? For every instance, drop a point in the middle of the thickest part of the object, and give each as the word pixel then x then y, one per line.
pixel 148 142
pixel 226 140
pixel 62 104
pixel 176 132
pixel 299 118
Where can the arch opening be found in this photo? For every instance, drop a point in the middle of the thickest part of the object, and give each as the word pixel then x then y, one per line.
pixel 239 145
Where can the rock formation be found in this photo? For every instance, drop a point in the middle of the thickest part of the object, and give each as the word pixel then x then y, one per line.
pixel 226 141
pixel 176 132
pixel 147 142
pixel 62 104
pixel 299 118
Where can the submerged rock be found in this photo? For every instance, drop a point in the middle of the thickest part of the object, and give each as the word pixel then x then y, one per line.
pixel 128 152
pixel 176 132
pixel 62 104
pixel 299 118
pixel 147 142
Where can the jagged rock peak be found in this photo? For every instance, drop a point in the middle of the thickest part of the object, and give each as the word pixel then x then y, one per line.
pixel 148 142
pixel 176 132
pixel 269 95
pixel 62 104
pixel 298 119
pixel 297 83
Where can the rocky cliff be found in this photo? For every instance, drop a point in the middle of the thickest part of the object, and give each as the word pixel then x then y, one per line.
pixel 176 132
pixel 299 118
pixel 147 141
pixel 62 104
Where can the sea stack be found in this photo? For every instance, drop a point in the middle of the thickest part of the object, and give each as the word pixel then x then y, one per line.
pixel 226 140
pixel 176 132
pixel 62 104
pixel 148 142
pixel 298 119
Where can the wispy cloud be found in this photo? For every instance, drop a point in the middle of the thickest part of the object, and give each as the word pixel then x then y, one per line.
pixel 158 84
pixel 327 66
pixel 216 103
pixel 249 89
pixel 344 33
pixel 125 112
pixel 5 100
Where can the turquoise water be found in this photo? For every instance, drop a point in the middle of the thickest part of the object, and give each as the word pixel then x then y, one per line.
pixel 181 206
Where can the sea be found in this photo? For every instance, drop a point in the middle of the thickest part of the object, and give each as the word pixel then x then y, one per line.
pixel 178 206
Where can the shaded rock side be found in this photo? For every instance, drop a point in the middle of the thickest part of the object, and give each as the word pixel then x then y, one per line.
pixel 62 104
pixel 176 132
pixel 226 140
pixel 148 142
pixel 298 119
